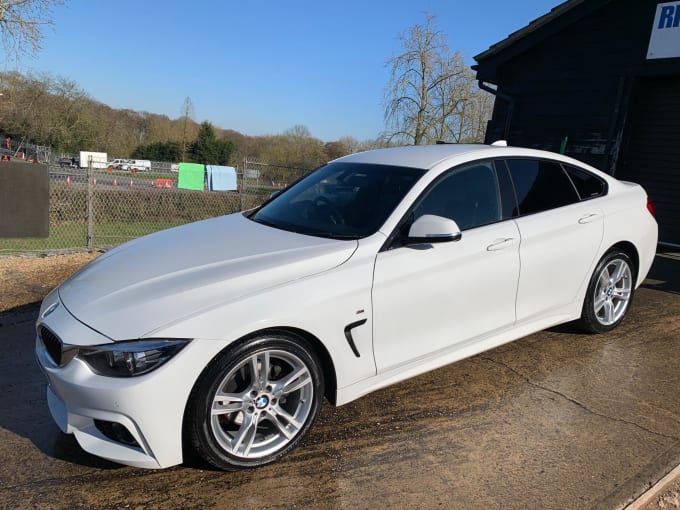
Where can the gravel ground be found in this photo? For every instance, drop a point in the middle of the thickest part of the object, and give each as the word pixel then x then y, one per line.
pixel 26 280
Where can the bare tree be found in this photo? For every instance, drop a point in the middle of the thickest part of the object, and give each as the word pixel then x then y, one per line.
pixel 141 126
pixel 464 109
pixel 187 113
pixel 432 94
pixel 22 22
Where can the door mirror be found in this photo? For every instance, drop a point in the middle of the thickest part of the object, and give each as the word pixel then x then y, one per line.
pixel 433 229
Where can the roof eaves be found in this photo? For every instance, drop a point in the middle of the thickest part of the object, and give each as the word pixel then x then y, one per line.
pixel 534 25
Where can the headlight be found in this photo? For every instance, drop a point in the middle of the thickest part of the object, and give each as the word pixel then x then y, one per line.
pixel 129 359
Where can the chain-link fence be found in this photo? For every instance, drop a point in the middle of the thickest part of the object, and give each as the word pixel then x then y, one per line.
pixel 97 209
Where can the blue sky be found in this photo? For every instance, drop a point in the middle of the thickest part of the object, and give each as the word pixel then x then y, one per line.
pixel 258 67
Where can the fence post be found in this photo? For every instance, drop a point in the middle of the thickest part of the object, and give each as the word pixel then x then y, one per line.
pixel 90 219
pixel 243 182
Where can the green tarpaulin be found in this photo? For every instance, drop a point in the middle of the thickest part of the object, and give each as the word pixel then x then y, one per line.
pixel 191 176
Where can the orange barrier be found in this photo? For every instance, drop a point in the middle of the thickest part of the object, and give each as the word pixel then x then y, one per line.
pixel 163 183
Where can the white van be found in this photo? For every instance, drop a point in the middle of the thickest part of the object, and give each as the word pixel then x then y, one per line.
pixel 137 165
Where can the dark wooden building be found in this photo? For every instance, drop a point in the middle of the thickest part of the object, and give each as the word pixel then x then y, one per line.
pixel 601 80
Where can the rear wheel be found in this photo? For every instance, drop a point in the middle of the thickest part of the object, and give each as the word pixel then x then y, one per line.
pixel 256 402
pixel 610 293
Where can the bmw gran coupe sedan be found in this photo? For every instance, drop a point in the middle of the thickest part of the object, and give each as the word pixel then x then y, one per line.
pixel 225 335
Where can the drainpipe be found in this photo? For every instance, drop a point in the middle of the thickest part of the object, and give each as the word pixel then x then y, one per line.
pixel 505 97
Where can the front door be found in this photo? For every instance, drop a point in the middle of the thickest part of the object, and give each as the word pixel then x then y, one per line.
pixel 430 297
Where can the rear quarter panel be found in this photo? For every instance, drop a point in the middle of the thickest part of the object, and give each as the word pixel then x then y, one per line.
pixel 627 219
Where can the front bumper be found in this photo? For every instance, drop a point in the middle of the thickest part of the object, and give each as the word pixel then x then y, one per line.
pixel 77 397
pixel 150 407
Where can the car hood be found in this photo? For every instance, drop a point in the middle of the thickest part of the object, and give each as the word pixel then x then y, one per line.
pixel 171 275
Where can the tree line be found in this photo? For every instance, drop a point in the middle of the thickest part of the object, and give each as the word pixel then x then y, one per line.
pixel 51 110
pixel 432 95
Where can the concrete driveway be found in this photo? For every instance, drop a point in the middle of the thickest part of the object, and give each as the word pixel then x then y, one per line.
pixel 559 420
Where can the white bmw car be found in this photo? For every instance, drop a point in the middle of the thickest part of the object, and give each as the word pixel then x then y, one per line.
pixel 225 335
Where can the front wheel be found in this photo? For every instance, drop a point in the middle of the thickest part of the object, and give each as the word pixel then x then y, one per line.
pixel 609 294
pixel 256 402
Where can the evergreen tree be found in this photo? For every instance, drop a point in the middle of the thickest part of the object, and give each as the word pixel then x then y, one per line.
pixel 208 149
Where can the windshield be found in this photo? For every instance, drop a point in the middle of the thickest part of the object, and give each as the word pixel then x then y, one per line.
pixel 340 200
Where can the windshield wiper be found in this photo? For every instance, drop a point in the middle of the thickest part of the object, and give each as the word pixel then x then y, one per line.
pixel 329 235
pixel 301 230
pixel 268 223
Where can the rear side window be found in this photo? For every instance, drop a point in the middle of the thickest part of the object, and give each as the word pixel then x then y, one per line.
pixel 540 185
pixel 587 184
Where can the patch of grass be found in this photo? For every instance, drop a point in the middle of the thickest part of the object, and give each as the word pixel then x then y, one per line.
pixel 109 234
pixel 123 214
pixel 63 237
pixel 72 236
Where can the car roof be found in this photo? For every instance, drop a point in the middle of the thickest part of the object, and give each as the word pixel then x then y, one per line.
pixel 427 157
pixel 414 156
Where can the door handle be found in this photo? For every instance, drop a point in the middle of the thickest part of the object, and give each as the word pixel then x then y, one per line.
pixel 500 244
pixel 588 218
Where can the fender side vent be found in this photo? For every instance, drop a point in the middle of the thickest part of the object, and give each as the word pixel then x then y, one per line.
pixel 348 336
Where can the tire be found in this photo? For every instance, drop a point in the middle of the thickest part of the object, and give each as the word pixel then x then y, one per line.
pixel 237 421
pixel 610 293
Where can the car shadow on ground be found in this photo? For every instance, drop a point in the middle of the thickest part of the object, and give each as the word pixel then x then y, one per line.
pixel 664 276
pixel 665 272
pixel 23 397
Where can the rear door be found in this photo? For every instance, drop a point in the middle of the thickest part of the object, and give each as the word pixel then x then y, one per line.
pixel 560 235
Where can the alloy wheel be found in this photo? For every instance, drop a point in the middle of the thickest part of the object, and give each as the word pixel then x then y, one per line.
pixel 262 404
pixel 612 292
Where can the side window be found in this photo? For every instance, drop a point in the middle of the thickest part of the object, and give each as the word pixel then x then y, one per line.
pixel 540 185
pixel 468 195
pixel 587 184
